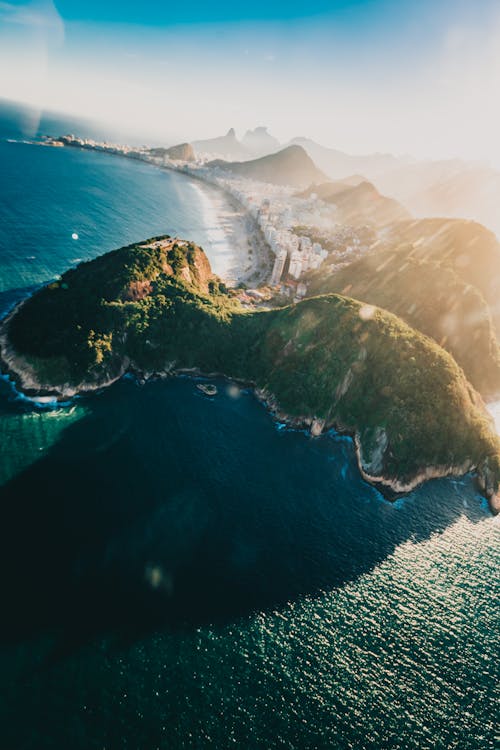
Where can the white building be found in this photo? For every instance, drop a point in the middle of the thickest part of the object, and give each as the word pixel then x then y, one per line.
pixel 296 264
pixel 279 265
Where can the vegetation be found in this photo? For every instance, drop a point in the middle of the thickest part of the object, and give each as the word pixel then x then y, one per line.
pixel 431 297
pixel 468 248
pixel 157 306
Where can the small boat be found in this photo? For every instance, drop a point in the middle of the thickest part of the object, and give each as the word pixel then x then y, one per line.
pixel 207 388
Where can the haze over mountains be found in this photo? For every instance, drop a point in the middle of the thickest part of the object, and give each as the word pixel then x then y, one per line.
pixel 260 143
pixel 448 188
pixel 359 202
pixel 441 277
pixel 224 146
pixel 290 166
pixel 455 189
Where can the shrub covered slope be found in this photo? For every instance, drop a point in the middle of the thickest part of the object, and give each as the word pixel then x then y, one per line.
pixel 156 306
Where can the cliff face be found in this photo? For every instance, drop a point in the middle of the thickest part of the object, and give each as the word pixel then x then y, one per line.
pixel 328 361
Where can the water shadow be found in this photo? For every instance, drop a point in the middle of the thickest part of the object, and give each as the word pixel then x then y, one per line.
pixel 10 297
pixel 162 507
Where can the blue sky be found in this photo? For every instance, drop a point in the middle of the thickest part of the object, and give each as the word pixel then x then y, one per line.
pixel 415 76
pixel 195 12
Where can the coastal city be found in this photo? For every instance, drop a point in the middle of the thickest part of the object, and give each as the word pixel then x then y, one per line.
pixel 299 230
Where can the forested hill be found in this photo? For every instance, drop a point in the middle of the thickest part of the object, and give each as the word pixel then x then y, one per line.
pixel 328 360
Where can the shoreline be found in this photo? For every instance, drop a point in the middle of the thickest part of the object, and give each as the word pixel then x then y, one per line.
pixel 225 217
pixel 391 488
pixel 240 254
pixel 232 219
pixel 250 263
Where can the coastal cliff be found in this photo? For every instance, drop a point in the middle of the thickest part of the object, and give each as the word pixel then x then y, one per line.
pixel 328 361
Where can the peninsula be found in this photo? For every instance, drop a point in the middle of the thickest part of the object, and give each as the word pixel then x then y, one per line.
pixel 156 307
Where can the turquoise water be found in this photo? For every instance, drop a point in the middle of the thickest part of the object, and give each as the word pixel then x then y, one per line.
pixel 49 194
pixel 179 572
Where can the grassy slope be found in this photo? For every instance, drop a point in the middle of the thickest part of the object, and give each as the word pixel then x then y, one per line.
pixel 468 248
pixel 430 297
pixel 321 358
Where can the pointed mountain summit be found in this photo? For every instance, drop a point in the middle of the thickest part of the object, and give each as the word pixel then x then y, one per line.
pixel 223 146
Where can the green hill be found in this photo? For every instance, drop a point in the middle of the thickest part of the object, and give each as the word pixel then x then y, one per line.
pixel 329 360
pixel 431 297
pixel 468 248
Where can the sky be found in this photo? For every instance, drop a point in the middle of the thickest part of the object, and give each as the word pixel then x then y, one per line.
pixel 418 77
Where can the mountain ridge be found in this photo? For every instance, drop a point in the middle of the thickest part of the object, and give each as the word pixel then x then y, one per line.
pixel 290 166
pixel 157 307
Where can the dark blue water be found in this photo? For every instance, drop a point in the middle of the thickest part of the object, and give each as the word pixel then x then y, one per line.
pixel 179 572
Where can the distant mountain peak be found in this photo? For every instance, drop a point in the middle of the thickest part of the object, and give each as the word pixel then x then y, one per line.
pixel 290 166
pixel 259 130
pixel 260 142
pixel 226 146
pixel 337 164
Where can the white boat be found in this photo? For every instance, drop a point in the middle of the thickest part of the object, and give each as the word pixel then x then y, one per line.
pixel 207 388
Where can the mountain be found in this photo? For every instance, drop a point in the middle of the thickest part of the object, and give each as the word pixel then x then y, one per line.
pixel 337 164
pixel 452 188
pixel 181 152
pixel 329 360
pixel 429 296
pixel 447 188
pixel 325 191
pixel 291 166
pixel 259 142
pixel 224 146
pixel 442 276
pixel 359 204
pixel 471 250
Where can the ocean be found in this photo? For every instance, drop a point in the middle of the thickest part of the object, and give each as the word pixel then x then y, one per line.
pixel 179 571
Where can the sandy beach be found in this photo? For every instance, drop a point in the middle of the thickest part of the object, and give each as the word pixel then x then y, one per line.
pixel 234 243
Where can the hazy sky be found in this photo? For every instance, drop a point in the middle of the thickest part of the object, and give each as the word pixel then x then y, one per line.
pixel 407 76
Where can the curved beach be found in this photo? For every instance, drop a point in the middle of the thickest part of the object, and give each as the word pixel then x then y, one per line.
pixel 234 244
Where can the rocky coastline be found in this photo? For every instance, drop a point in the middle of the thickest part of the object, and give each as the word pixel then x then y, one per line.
pixel 392 488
